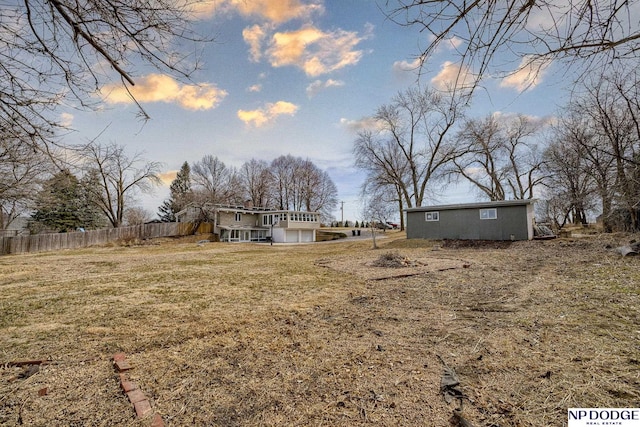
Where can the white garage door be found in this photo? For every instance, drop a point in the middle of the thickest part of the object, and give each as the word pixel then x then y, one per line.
pixel 291 236
pixel 307 236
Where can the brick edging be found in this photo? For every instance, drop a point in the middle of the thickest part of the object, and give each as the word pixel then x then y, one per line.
pixel 138 399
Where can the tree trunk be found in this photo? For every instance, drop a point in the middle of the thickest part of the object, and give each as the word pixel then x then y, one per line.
pixel 400 210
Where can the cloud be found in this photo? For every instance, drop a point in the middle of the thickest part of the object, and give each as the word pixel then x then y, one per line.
pixel 314 88
pixel 528 75
pixel 453 77
pixel 162 88
pixel 276 11
pixel 267 114
pixel 66 119
pixel 255 88
pixel 202 9
pixel 402 66
pixel 507 117
pixel 355 126
pixel 453 42
pixel 254 37
pixel 314 51
pixel 167 177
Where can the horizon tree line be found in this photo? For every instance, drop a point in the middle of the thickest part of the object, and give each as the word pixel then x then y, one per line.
pixel 584 162
pixel 96 186
pixel 286 183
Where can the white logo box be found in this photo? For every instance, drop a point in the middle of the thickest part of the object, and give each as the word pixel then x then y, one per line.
pixel 589 417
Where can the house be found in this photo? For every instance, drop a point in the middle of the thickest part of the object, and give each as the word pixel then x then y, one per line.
pixel 19 226
pixel 499 220
pixel 251 224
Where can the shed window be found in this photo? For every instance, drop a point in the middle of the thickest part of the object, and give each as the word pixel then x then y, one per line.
pixel 432 216
pixel 490 213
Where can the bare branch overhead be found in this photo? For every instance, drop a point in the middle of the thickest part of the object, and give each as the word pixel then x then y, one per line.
pixel 55 51
pixel 497 37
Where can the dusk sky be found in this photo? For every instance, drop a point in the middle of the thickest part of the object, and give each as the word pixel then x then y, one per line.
pixel 292 77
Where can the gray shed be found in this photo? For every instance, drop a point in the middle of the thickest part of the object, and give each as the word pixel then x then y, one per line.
pixel 500 220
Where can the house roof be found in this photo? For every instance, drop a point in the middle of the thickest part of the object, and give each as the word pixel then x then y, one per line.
pixel 240 209
pixel 481 205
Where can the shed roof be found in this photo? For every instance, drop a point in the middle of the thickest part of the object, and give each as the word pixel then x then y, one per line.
pixel 481 205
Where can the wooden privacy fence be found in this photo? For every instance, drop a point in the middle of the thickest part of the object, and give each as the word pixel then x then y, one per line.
pixel 78 239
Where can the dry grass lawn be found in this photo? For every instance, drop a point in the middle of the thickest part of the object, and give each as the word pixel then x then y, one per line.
pixel 323 334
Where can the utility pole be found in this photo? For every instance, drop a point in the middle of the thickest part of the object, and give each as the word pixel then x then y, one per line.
pixel 342 213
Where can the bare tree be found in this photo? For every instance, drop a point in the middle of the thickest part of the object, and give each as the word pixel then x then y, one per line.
pixel 61 50
pixel 532 32
pixel 257 182
pixel 411 146
pixel 608 108
pixel 283 170
pixel 570 188
pixel 215 182
pixel 117 177
pixel 479 160
pixel 501 156
pixel 21 172
pixel 385 166
pixel 378 206
pixel 287 183
pixel 318 191
pixel 137 215
pixel 300 185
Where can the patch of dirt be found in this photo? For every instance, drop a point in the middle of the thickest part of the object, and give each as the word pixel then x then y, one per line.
pixel 371 265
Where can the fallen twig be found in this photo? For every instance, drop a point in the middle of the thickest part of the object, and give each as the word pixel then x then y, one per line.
pixel 400 276
pixel 22 363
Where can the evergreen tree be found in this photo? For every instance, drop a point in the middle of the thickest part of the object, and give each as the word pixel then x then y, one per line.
pixel 165 211
pixel 91 215
pixel 58 204
pixel 180 195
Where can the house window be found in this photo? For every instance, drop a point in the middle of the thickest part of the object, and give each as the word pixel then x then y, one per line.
pixel 490 213
pixel 238 217
pixel 432 216
pixel 258 235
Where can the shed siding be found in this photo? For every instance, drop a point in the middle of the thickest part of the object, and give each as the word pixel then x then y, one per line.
pixel 465 223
